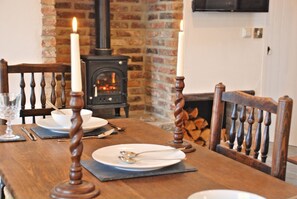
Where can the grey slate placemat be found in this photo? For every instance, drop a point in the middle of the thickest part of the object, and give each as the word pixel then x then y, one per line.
pixel 20 139
pixel 44 133
pixel 108 173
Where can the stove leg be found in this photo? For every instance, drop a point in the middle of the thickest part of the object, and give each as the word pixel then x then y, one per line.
pixel 117 112
pixel 127 111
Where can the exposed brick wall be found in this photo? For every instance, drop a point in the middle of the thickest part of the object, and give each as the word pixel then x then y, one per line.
pixel 128 30
pixel 163 19
pixel 144 30
pixel 48 31
pixel 84 12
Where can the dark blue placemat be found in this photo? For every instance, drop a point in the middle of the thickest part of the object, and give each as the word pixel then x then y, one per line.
pixel 108 173
pixel 20 139
pixel 44 133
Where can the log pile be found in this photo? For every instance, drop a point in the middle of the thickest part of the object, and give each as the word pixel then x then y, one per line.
pixel 197 128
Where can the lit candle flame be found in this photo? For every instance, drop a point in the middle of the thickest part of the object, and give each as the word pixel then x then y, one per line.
pixel 74 24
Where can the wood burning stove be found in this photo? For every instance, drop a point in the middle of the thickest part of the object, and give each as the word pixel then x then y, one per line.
pixel 106 75
pixel 106 80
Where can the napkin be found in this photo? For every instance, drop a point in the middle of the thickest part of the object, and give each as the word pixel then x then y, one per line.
pixel 108 173
pixel 44 133
pixel 19 139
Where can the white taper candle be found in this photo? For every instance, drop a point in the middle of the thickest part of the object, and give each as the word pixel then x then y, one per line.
pixel 76 82
pixel 180 51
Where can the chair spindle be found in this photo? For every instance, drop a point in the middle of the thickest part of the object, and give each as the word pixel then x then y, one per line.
pixel 265 145
pixel 249 137
pixel 240 133
pixel 63 95
pixel 23 95
pixel 42 95
pixel 53 85
pixel 258 134
pixel 33 96
pixel 232 132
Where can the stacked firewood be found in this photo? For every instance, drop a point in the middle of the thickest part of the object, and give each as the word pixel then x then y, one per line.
pixel 196 128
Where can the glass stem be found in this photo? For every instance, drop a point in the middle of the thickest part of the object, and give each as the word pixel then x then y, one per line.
pixel 8 128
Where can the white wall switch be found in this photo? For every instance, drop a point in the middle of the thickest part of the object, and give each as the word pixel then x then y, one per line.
pixel 246 32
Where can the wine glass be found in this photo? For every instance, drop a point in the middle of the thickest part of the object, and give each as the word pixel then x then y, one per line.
pixel 9 110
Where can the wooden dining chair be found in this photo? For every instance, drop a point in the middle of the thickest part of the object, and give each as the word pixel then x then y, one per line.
pixel 292 159
pixel 55 72
pixel 245 143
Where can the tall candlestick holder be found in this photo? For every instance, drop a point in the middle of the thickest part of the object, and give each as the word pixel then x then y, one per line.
pixel 75 187
pixel 178 135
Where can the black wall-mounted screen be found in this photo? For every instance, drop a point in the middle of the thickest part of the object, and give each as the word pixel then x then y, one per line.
pixel 231 5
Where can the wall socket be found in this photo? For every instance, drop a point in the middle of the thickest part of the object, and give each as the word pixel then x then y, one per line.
pixel 258 33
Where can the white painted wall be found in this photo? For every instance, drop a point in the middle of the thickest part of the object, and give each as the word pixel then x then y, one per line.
pixel 216 52
pixel 280 67
pixel 20 34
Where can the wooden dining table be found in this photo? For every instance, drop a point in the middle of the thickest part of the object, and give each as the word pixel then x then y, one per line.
pixel 30 169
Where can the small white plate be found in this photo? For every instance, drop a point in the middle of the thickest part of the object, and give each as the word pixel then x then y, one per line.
pixel 92 124
pixel 224 193
pixel 109 156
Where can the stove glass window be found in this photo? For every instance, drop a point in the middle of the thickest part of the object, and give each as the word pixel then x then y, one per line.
pixel 107 83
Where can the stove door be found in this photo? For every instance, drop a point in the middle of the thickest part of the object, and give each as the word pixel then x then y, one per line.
pixel 107 87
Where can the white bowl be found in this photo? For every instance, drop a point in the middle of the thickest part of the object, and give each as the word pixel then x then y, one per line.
pixel 64 120
pixel 224 193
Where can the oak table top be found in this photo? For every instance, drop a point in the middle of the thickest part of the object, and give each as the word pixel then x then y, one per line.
pixel 31 169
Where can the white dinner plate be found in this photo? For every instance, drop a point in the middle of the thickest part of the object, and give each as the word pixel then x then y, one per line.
pixel 146 161
pixel 92 124
pixel 224 193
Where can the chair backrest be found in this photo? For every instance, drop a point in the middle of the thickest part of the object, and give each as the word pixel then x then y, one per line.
pixel 53 71
pixel 248 141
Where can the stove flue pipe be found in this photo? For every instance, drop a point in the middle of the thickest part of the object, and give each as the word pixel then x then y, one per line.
pixel 102 23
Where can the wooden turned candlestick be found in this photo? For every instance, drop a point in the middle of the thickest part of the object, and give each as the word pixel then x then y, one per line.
pixel 75 187
pixel 179 116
